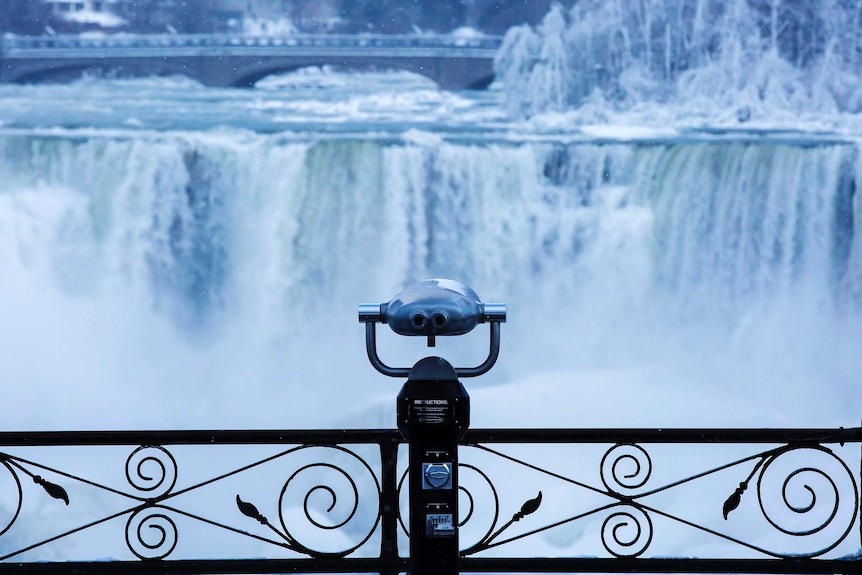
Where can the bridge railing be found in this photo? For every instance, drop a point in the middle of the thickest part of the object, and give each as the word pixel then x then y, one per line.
pixel 532 500
pixel 173 41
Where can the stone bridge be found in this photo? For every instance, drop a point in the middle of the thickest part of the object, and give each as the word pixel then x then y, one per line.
pixel 239 61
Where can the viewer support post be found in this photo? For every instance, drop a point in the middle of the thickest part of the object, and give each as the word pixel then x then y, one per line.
pixel 433 408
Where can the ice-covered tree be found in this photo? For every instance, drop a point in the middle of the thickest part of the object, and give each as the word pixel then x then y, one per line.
pixel 737 56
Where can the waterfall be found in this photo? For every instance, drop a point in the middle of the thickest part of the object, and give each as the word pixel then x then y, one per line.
pixel 231 266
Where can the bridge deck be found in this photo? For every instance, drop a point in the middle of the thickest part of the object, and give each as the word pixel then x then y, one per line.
pixel 230 60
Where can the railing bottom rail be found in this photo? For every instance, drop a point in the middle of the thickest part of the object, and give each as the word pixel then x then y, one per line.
pixel 212 567
pixel 470 565
pixel 660 565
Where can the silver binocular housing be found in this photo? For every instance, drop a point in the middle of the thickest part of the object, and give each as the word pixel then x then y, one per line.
pixel 431 308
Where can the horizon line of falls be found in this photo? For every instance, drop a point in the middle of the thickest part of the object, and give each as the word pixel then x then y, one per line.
pixel 172 268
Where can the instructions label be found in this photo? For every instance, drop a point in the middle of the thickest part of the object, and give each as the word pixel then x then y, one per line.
pixel 431 410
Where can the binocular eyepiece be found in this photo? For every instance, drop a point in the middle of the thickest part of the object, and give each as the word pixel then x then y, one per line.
pixel 436 307
pixel 432 308
pixel 420 321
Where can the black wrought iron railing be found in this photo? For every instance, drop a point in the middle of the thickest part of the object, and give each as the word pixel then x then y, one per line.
pixel 555 500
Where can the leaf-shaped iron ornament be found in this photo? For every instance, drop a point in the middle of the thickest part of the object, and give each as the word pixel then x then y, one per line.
pixel 734 500
pixel 249 510
pixel 52 489
pixel 529 506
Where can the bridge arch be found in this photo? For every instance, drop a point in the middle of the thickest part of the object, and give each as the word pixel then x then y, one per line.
pixel 37 71
pixel 67 73
pixel 482 82
pixel 248 78
pixel 245 77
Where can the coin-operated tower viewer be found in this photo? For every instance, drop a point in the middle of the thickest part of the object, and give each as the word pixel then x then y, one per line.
pixel 433 408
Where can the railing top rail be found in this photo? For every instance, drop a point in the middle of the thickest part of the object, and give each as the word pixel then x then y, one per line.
pixel 359 436
pixel 198 437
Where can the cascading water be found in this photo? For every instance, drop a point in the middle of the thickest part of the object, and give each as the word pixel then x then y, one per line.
pixel 202 270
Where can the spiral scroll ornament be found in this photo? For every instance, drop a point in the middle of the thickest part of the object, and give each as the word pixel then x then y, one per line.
pixel 625 468
pixel 343 496
pixel 627 531
pixel 152 470
pixel 799 492
pixel 151 534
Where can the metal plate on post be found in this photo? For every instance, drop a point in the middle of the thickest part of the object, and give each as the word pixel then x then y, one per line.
pixel 436 476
